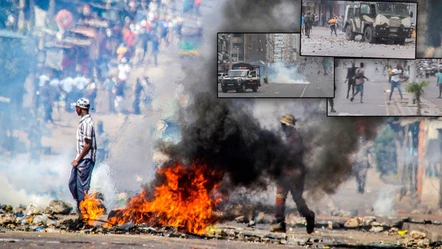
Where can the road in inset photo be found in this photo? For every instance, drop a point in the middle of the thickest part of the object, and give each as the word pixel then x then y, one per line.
pixel 376 99
pixel 359 29
pixel 268 65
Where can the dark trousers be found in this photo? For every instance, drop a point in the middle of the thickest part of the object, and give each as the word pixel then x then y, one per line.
pixel 295 185
pixel 351 84
pixel 333 29
pixel 360 173
pixel 80 179
pixel 332 102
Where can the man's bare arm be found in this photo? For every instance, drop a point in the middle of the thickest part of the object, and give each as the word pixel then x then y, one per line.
pixel 86 148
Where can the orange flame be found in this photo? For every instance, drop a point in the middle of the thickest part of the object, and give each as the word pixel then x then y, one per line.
pixel 183 201
pixel 91 209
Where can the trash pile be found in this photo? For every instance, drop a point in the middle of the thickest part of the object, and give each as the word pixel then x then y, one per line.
pixel 252 226
pixel 34 218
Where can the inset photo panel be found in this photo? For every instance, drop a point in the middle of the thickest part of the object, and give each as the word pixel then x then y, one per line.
pixel 387 87
pixel 268 65
pixel 429 29
pixel 359 29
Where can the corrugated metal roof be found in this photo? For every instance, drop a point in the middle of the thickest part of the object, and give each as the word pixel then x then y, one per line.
pixel 11 34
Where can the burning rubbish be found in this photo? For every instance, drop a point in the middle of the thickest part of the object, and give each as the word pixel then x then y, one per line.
pixel 91 209
pixel 183 201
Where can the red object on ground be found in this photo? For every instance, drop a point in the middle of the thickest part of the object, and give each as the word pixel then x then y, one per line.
pixel 64 19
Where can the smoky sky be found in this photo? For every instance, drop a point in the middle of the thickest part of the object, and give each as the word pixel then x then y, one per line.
pixel 224 134
pixel 262 16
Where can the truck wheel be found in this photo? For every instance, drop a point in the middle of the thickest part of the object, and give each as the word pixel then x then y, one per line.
pixel 224 90
pixel 368 35
pixel 243 88
pixel 255 89
pixel 349 35
pixel 401 41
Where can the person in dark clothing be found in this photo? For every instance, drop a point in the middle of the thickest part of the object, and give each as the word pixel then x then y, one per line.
pixel 361 164
pixel 351 73
pixel 103 143
pixel 323 20
pixel 292 179
pixel 46 93
pixel 308 20
pixel 137 97
pixel 155 49
pixel 332 102
pixel 35 134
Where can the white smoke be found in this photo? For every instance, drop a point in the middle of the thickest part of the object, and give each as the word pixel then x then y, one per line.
pixel 279 73
pixel 383 205
pixel 103 181
pixel 23 182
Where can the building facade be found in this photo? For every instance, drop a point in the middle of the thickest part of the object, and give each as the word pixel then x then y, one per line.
pixel 283 47
pixel 255 48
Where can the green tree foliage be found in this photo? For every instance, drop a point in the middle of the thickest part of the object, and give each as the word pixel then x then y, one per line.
pixel 418 90
pixel 385 151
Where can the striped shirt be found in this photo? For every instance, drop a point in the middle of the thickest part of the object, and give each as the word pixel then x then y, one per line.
pixel 86 130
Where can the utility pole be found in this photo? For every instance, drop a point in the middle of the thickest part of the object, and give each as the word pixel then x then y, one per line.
pixel 230 50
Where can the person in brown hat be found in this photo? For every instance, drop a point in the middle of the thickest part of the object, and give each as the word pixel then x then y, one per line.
pixel 292 179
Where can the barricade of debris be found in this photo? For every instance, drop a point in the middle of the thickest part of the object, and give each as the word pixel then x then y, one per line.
pixel 240 223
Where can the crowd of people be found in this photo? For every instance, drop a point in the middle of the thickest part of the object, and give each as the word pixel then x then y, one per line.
pixel 101 71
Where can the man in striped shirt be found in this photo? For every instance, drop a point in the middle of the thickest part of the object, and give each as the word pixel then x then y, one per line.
pixel 84 162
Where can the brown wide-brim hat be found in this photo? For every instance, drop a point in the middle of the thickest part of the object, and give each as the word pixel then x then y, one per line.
pixel 289 120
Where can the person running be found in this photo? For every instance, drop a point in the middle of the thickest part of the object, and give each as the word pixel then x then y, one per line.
pixel 360 80
pixel 395 81
pixel 351 73
pixel 439 82
pixel 332 23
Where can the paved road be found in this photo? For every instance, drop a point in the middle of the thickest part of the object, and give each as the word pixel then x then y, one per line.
pixel 312 70
pixel 375 99
pixel 278 90
pixel 321 43
pixel 376 94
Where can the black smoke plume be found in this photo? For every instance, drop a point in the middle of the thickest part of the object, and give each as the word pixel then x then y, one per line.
pixel 262 16
pixel 225 135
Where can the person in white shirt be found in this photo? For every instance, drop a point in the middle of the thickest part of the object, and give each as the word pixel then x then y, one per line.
pixel 123 70
pixel 67 86
pixel 396 81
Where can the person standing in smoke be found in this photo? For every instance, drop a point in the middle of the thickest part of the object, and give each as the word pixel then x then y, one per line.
pixel 155 49
pixel 361 164
pixel 34 135
pixel 82 166
pixel 47 99
pixel 332 102
pixel 292 179
pixel 103 141
pixel 351 73
pixel 138 89
pixel 308 23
